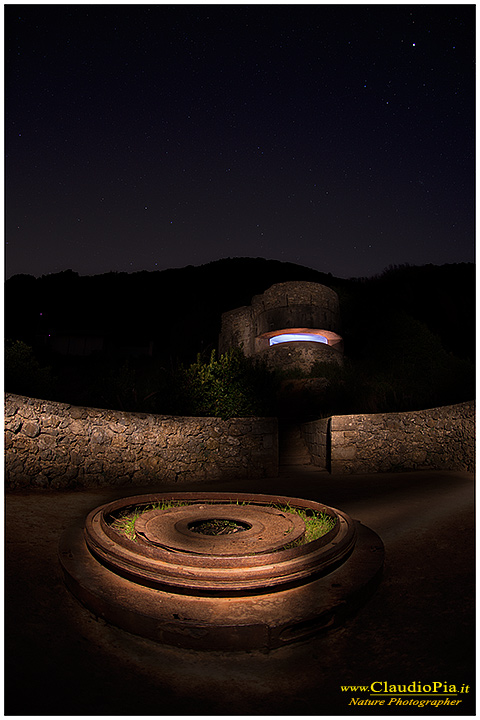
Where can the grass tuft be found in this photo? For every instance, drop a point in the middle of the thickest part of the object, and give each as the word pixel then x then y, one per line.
pixel 316 524
pixel 125 523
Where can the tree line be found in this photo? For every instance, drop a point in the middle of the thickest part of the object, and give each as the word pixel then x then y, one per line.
pixel 409 337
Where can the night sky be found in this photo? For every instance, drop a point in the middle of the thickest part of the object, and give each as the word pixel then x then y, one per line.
pixel 146 137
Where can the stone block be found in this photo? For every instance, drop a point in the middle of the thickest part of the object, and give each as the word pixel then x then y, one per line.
pixel 46 441
pixel 13 424
pixel 344 453
pixel 31 429
pixel 77 412
pixel 341 422
pixel 338 439
pixel 76 427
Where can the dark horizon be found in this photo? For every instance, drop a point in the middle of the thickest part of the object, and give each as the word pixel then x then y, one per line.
pixel 337 137
pixel 222 259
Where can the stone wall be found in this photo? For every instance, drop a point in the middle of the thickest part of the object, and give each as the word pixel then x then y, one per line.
pixel 298 354
pixel 316 436
pixel 299 294
pixel 237 331
pixel 436 439
pixel 54 445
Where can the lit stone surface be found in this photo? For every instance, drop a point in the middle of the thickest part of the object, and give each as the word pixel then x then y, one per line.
pixel 55 445
pixel 296 308
pixel 440 438
pixel 270 529
pixel 256 600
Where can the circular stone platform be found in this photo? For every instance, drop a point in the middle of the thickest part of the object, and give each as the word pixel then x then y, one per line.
pixel 263 529
pixel 256 585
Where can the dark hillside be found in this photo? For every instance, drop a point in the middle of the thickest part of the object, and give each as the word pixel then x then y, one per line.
pixel 409 333
pixel 179 309
pixel 440 297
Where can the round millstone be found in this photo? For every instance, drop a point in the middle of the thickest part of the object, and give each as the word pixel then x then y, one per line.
pixel 213 601
pixel 267 529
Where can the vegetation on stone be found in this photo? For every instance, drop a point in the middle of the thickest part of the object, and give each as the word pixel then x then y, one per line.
pixel 316 524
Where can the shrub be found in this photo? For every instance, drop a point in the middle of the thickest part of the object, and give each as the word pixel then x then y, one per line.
pixel 23 373
pixel 230 386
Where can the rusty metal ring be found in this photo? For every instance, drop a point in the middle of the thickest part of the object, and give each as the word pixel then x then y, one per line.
pixel 267 529
pixel 187 572
pixel 201 601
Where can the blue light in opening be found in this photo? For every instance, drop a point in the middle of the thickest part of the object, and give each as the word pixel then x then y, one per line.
pixel 297 337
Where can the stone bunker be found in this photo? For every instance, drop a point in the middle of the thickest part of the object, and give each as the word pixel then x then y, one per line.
pixel 292 324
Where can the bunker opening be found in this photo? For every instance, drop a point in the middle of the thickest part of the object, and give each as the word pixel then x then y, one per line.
pixel 297 337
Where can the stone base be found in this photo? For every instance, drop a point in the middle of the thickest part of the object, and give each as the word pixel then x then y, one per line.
pixel 253 621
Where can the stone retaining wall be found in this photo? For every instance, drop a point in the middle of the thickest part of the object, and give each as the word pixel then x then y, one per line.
pixel 441 438
pixel 316 436
pixel 55 445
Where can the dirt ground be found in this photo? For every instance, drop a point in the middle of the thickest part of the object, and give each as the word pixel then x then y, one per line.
pixel 418 626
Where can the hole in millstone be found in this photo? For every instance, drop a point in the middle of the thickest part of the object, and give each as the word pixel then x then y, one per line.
pixel 218 526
